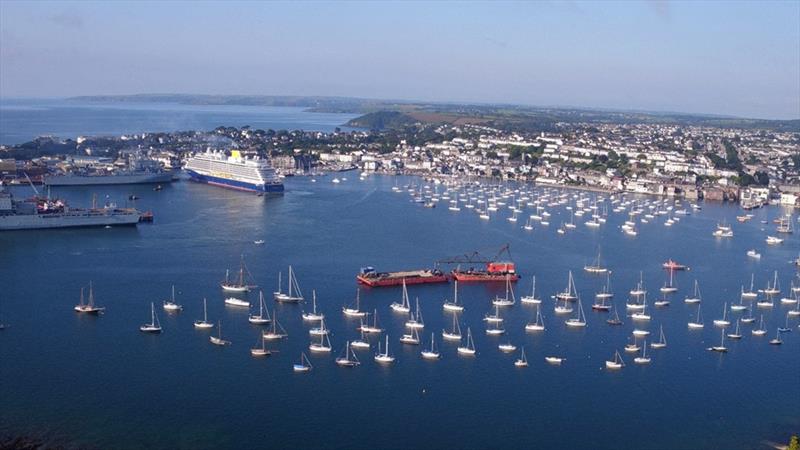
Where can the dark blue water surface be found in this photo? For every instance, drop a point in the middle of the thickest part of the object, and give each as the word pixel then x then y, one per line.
pixel 99 382
pixel 24 119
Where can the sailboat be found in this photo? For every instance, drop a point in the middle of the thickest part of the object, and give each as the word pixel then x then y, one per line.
pixel 641 315
pixel 785 328
pixel 374 328
pixel 323 346
pixel 570 293
pixel 605 293
pixel 304 365
pixel 203 324
pixel 217 340
pixel 277 331
pixel 721 347
pixel 349 359
pixel 523 360
pixel 170 305
pixel 740 307
pixel 493 317
pixel 260 351
pixel 528 225
pixel 616 363
pixel 736 334
pixel 579 321
pixel 432 353
pixel 354 312
pixel 596 266
pixel 90 307
pixel 319 330
pixel 410 338
pixel 774 289
pixel 313 315
pixel 261 318
pixel 760 331
pixel 698 321
pixel 750 294
pixel 767 302
pixel 363 342
pixel 669 287
pixel 695 298
pixel 538 324
pixel 384 357
pixel 454 305
pixel 154 326
pixel 415 318
pixel 777 340
pixel 404 306
pixel 749 318
pixel 662 340
pixel 239 284
pixel 724 322
pixel 634 346
pixel 509 298
pixel 614 320
pixel 494 329
pixel 469 348
pixel 531 299
pixel 294 295
pixel 455 334
pixel 639 290
pixel 643 359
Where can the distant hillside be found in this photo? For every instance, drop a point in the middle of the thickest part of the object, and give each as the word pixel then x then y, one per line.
pixel 381 120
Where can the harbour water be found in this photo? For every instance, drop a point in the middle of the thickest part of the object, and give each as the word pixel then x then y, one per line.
pixel 24 119
pixel 98 382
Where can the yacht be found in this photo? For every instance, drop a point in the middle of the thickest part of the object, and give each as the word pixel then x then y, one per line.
pixel 349 359
pixel 385 357
pixel 171 305
pixel 217 340
pixel 523 360
pixel 616 362
pixel 294 295
pixel 404 306
pixel 469 348
pixel 432 353
pixel 354 312
pixel 531 299
pixel 154 326
pixel 262 318
pixel 304 365
pixel 454 305
pixel 204 324
pixel 90 307
pixel 313 316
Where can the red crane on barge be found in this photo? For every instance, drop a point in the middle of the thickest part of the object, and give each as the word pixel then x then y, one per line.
pixel 495 269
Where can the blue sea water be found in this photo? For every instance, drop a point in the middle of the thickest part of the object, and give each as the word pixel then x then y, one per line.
pixel 24 119
pixel 98 382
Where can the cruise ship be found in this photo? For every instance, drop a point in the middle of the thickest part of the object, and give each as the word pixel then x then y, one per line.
pixel 134 177
pixel 235 171
pixel 40 213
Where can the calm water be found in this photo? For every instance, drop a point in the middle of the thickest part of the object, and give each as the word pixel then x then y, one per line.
pixel 100 382
pixel 23 119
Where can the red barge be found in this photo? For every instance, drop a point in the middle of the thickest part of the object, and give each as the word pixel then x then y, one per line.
pixel 372 278
pixel 495 271
pixel 672 265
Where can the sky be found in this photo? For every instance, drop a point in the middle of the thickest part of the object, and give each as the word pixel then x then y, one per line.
pixel 733 58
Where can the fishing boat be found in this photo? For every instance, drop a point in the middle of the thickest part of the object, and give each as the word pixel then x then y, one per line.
pixel 294 294
pixel 698 321
pixel 454 305
pixel 736 334
pixel 262 318
pixel 531 299
pixel 673 265
pixel 431 353
pixel 385 357
pixel 538 323
pixel 455 333
pixel 614 320
pixel 277 331
pixel 322 346
pixel 721 347
pixel 171 305
pixel 669 287
pixel 154 326
pixel 313 316
pixel 509 299
pixel 349 359
pixel 616 362
pixel 404 306
pixel 695 297
pixel 217 340
pixel 354 312
pixel 523 360
pixel 204 324
pixel 724 322
pixel 580 320
pixel 261 350
pixel 89 307
pixel 233 301
pixel 240 283
pixel 643 358
pixel 760 331
pixel 662 340
pixel 304 365
pixel 469 348
pixel 410 338
pixel 374 328
pixel 415 318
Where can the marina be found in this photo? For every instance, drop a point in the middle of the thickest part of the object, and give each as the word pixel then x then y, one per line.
pixel 566 358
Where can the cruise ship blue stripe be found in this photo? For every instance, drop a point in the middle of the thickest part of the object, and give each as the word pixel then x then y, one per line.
pixel 234 184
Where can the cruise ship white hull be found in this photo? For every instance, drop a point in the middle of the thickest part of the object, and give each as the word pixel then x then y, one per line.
pixel 44 221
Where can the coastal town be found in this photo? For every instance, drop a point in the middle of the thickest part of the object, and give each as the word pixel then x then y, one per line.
pixel 751 166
